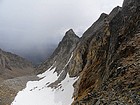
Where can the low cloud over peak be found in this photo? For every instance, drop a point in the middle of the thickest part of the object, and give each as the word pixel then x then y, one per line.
pixel 36 25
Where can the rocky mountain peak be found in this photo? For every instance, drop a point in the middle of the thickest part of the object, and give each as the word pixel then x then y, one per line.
pixel 70 36
pixel 61 56
pixel 103 16
pixel 68 41
pixel 62 53
pixel 70 32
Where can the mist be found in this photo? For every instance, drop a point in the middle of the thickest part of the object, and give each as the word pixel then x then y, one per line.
pixel 33 28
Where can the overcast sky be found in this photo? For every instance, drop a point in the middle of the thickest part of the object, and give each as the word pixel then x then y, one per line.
pixel 32 25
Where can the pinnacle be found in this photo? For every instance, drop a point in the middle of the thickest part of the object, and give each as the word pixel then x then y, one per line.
pixel 70 33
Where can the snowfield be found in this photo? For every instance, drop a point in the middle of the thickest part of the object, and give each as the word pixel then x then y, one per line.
pixel 38 92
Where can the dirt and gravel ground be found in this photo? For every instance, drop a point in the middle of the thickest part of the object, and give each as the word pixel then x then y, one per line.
pixel 9 88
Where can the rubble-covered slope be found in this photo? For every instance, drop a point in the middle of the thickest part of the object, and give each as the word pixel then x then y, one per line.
pixel 10 87
pixel 12 65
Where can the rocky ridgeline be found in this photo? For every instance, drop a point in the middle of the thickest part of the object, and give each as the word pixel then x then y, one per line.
pixel 110 59
pixel 106 59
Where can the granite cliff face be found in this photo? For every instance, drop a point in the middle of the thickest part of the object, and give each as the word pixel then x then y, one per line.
pixel 106 58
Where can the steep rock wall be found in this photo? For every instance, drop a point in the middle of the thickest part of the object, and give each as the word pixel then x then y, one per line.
pixel 109 60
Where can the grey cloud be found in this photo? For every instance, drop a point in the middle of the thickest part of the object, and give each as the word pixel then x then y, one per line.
pixel 29 26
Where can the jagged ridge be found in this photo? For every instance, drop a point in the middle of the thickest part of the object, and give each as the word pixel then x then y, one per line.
pixel 106 59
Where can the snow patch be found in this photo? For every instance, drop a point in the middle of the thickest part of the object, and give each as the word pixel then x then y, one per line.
pixel 38 92
pixel 68 61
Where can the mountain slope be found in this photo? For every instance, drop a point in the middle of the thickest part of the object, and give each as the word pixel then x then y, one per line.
pixel 10 87
pixel 62 53
pixel 61 56
pixel 55 82
pixel 40 93
pixel 12 65
pixel 105 60
pixel 110 68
